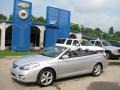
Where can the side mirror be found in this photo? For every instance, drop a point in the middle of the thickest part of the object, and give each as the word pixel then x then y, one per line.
pixel 65 56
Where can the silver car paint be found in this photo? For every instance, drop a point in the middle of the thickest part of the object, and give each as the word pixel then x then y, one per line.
pixel 63 67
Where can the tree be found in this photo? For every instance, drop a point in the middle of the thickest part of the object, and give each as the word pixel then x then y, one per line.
pixel 111 30
pixel 41 19
pixel 106 36
pixel 3 17
pixel 97 32
pixel 34 19
pixel 10 18
pixel 75 27
pixel 81 28
pixel 38 19
pixel 116 36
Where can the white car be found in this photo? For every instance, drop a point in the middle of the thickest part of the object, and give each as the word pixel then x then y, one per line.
pixel 75 44
pixel 111 51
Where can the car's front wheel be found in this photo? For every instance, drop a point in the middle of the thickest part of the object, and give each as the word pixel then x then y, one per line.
pixel 46 77
pixel 97 70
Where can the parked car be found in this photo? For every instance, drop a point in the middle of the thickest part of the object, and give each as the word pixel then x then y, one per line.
pixel 114 43
pixel 111 51
pixel 75 44
pixel 55 63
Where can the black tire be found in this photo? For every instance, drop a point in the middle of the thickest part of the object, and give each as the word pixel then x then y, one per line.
pixel 108 55
pixel 47 79
pixel 97 70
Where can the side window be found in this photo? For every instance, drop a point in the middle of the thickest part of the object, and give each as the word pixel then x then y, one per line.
pixel 76 43
pixel 68 42
pixel 105 43
pixel 92 42
pixel 98 43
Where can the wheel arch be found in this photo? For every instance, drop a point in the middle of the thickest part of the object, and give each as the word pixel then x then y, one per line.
pixel 100 64
pixel 46 68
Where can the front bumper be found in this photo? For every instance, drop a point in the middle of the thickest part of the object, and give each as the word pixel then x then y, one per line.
pixel 26 76
pixel 116 54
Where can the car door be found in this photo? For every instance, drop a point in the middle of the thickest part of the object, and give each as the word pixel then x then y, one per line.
pixel 73 66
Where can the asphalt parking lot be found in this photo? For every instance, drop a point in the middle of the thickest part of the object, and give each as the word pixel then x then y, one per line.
pixel 109 80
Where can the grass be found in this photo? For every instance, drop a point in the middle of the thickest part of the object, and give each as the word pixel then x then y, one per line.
pixel 13 53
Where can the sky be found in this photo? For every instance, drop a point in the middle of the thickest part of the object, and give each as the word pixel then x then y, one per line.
pixel 89 13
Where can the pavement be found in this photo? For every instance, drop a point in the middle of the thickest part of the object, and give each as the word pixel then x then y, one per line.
pixel 108 80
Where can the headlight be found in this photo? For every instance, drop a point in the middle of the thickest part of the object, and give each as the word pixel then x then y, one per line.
pixel 29 66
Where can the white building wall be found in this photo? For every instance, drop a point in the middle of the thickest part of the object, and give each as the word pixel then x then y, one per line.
pixel 41 38
pixel 3 27
pixel 42 30
pixel 2 44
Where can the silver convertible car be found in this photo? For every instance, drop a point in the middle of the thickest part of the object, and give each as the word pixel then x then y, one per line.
pixel 55 63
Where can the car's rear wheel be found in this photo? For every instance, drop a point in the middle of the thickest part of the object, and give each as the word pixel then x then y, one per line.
pixel 97 70
pixel 46 77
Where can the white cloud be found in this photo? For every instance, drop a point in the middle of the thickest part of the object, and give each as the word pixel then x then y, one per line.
pixel 100 20
pixel 91 13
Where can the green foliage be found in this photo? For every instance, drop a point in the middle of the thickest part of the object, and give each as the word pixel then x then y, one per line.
pixel 10 18
pixel 116 36
pixel 38 19
pixel 13 53
pixel 75 27
pixel 97 32
pixel 3 17
pixel 41 19
pixel 111 31
pixel 106 36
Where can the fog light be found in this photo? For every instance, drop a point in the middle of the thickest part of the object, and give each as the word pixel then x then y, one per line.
pixel 21 77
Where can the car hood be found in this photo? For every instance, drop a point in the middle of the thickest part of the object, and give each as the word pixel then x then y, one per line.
pixel 31 59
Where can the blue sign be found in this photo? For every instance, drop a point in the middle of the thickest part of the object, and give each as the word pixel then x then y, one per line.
pixel 52 16
pixel 21 25
pixel 58 25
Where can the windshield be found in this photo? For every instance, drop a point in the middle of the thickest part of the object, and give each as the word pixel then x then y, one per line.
pixel 86 43
pixel 53 51
pixel 105 43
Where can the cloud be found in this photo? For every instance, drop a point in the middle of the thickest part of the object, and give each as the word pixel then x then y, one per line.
pixel 90 13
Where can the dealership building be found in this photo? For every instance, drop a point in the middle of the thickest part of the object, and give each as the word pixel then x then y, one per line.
pixel 36 37
pixel 22 34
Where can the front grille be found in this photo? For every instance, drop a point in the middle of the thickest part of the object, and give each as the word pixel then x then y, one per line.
pixel 14 66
